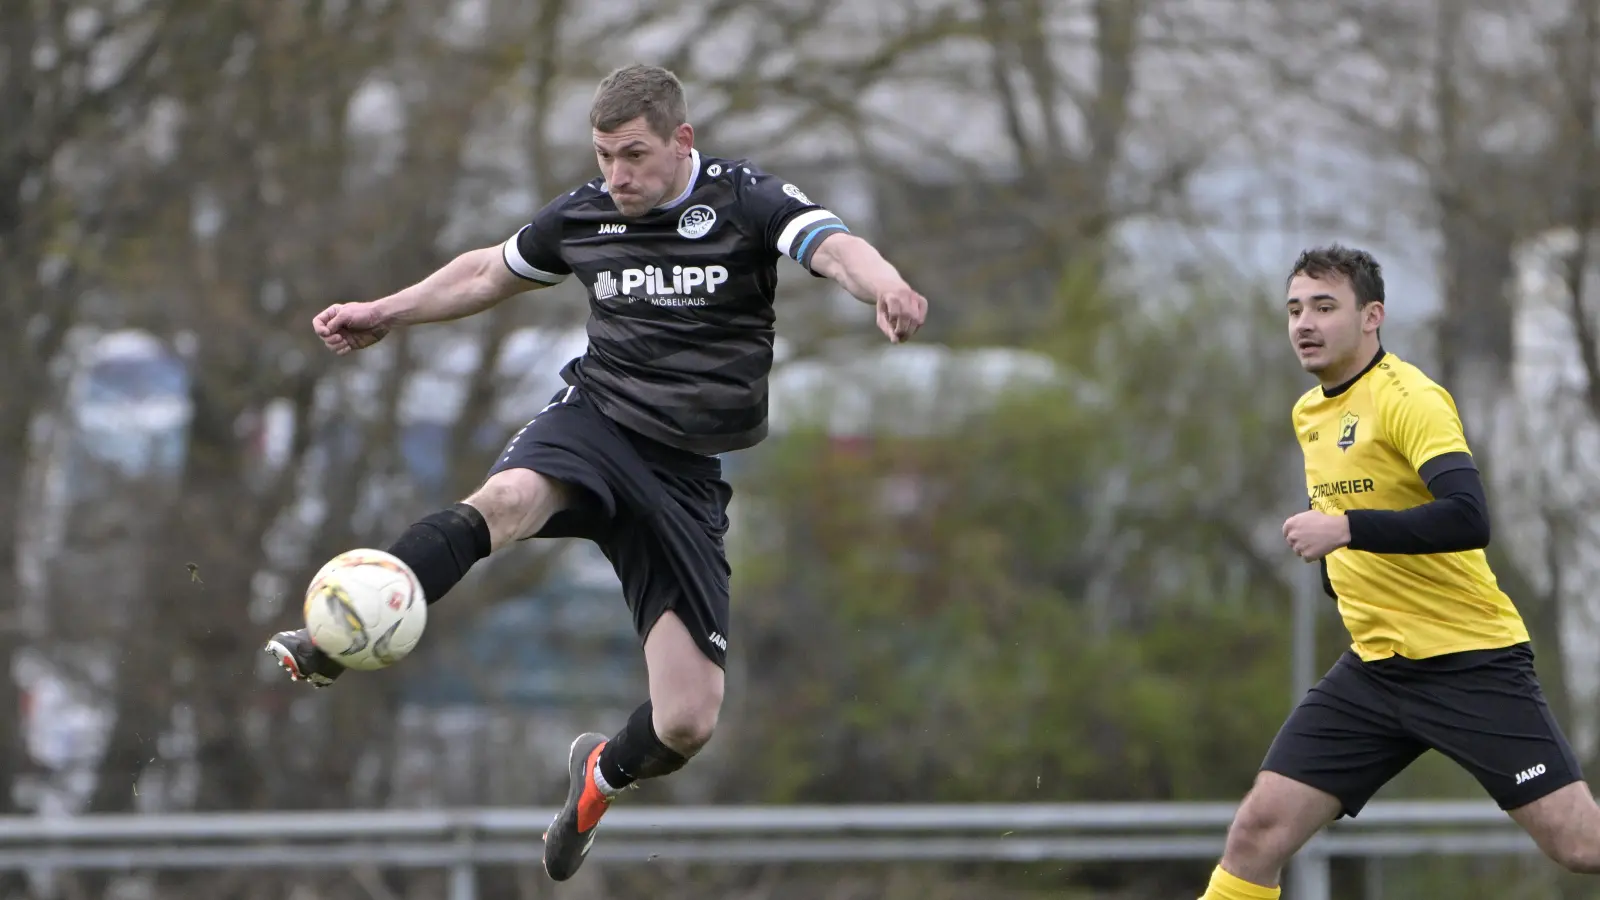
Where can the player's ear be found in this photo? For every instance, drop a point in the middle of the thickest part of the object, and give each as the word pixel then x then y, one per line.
pixel 1372 316
pixel 683 140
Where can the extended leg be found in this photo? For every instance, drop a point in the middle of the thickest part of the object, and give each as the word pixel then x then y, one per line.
pixel 1566 826
pixel 441 548
pixel 1487 712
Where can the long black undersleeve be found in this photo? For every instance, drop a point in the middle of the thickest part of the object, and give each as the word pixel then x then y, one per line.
pixel 1457 519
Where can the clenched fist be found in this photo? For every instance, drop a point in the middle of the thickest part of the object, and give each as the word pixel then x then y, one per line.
pixel 901 312
pixel 1313 535
pixel 350 326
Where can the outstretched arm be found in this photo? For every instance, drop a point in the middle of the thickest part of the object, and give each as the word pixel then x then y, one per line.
pixel 465 286
pixel 814 237
pixel 468 284
pixel 859 268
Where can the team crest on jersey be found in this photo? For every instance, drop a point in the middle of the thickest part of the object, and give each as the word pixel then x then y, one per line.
pixel 1347 429
pixel 796 193
pixel 696 221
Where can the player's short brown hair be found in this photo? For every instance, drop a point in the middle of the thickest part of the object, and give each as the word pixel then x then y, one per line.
pixel 1357 267
pixel 639 90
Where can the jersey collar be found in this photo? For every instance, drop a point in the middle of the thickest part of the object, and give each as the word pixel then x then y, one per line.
pixel 1338 389
pixel 694 176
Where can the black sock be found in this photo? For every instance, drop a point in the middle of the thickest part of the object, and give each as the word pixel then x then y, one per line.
pixel 636 753
pixel 441 547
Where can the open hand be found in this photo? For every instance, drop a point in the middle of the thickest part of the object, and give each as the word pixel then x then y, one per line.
pixel 901 312
pixel 350 326
pixel 1313 535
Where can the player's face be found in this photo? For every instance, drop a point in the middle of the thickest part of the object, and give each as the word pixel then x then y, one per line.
pixel 641 167
pixel 1331 334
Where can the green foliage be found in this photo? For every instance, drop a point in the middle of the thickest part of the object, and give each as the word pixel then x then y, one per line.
pixel 1076 607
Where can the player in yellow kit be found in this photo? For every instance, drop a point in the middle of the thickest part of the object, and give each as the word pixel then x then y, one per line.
pixel 1439 658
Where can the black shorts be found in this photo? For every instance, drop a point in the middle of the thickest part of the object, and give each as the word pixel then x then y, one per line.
pixel 658 513
pixel 1365 722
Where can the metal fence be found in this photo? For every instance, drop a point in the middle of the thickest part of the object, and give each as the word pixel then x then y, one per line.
pixel 464 839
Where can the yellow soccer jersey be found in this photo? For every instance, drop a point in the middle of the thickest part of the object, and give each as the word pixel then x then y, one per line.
pixel 1363 449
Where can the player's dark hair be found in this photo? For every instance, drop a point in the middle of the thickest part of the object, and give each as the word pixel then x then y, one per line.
pixel 639 90
pixel 1357 267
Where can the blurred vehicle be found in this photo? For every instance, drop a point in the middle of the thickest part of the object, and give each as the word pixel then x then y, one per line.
pixel 129 405
pixel 124 414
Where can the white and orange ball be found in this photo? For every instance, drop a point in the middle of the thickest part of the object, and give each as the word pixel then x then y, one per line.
pixel 366 609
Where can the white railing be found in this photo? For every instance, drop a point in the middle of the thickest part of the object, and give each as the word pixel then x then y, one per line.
pixel 460 840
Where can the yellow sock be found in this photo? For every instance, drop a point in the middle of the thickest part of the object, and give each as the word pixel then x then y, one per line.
pixel 1226 887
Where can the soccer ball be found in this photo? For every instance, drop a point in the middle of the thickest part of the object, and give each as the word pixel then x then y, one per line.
pixel 366 609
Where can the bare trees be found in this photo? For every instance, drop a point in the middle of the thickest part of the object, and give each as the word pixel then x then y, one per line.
pixel 72 77
pixel 215 173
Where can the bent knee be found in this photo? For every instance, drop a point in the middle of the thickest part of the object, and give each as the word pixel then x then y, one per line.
pixel 687 726
pixel 515 503
pixel 1266 832
pixel 1256 833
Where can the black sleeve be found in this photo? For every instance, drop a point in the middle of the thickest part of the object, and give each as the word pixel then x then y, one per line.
pixel 786 219
pixel 1457 519
pixel 534 252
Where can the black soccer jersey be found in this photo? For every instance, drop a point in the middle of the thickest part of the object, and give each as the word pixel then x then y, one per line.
pixel 681 317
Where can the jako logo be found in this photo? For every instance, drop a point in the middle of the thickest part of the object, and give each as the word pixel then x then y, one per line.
pixel 1530 774
pixel 720 641
pixel 613 228
pixel 657 281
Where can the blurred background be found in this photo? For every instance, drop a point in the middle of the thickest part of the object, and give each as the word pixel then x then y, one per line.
pixel 1033 557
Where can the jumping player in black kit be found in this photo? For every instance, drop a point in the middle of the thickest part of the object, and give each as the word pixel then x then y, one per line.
pixel 678 252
